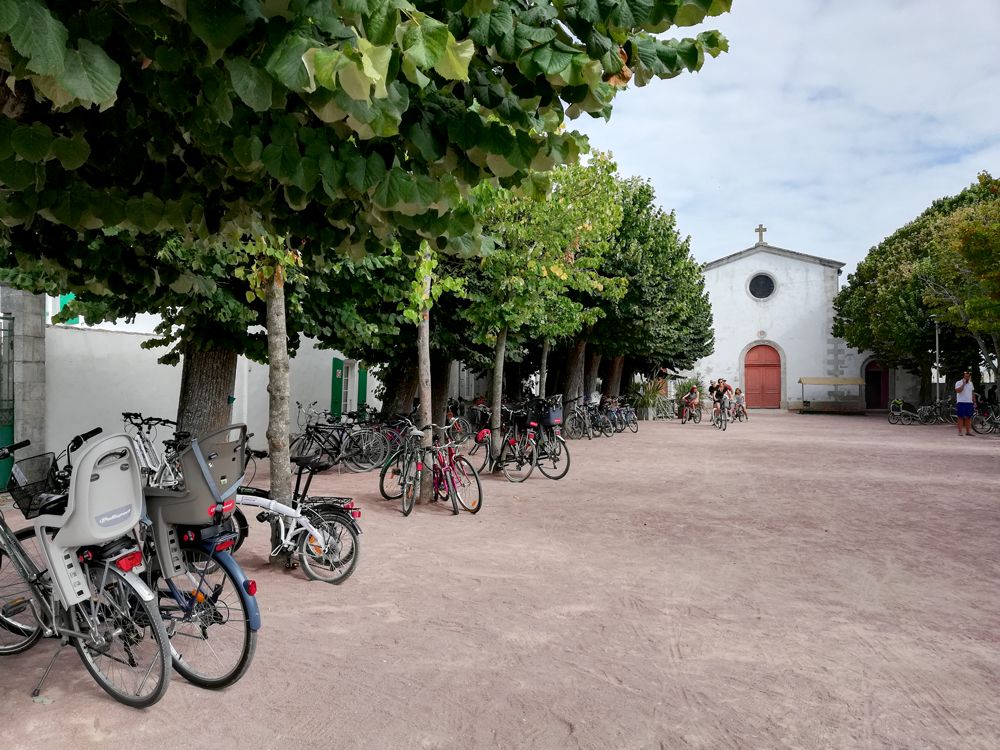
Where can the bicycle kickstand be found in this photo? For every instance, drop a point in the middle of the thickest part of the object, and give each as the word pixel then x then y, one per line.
pixel 63 642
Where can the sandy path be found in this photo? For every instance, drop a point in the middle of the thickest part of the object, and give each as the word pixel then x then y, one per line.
pixel 828 582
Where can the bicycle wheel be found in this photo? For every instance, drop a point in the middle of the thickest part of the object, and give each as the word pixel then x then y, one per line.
pixel 438 484
pixel 607 429
pixel 632 421
pixel 573 427
pixel 364 450
pixel 518 461
pixel 684 415
pixel 410 483
pixel 207 621
pixel 390 479
pixel 893 418
pixel 304 445
pixel 461 431
pixel 125 645
pixel 723 419
pixel 238 523
pixel 332 556
pixel 905 418
pixel 468 489
pixel 554 462
pixel 19 629
pixel 696 416
pixel 979 424
pixel 926 416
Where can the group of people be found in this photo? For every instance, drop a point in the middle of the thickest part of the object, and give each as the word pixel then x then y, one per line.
pixel 719 391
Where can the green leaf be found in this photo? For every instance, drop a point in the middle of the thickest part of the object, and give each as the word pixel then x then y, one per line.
pixel 692 12
pixel 489 28
pixel 144 213
pixel 285 63
pixel 454 63
pixel 425 42
pixel 382 22
pixel 354 82
pixel 375 64
pixel 17 175
pixel 247 150
pixel 72 153
pixel 7 127
pixel 48 87
pixel 90 75
pixel 75 209
pixel 38 36
pixel 32 142
pixel 529 36
pixel 9 12
pixel 251 84
pixel 396 188
pixel 218 23
pixel 550 60
pixel 281 161
pixel 364 173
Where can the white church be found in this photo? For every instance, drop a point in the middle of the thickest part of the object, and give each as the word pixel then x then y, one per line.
pixel 773 314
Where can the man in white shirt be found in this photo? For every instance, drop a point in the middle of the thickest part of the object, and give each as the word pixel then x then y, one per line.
pixel 965 393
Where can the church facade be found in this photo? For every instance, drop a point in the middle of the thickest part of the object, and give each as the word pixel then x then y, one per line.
pixel 773 314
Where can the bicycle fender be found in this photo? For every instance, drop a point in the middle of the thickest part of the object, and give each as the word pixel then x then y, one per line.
pixel 145 593
pixel 342 514
pixel 233 568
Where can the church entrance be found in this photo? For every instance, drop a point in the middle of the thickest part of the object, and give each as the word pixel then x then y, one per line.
pixel 762 375
pixel 876 386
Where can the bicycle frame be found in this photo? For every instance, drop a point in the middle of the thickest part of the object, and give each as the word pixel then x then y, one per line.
pixel 289 533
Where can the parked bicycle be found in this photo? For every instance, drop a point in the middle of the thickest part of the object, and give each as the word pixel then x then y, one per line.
pixel 81 585
pixel 516 457
pixel 320 533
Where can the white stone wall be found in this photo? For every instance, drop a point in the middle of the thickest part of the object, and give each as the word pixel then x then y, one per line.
pixel 93 375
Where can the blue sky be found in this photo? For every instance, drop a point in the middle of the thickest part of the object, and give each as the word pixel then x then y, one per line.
pixel 832 122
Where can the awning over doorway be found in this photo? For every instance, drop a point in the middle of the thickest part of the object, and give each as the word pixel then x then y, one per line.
pixel 832 381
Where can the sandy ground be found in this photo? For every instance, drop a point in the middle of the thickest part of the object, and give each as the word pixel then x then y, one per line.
pixel 798 581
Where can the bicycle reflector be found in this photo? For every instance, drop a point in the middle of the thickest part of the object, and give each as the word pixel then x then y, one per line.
pixel 127 562
pixel 348 506
pixel 224 545
pixel 250 586
pixel 355 513
pixel 227 507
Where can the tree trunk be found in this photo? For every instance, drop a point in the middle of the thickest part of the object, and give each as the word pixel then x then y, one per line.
pixel 278 394
pixel 573 379
pixel 613 384
pixel 424 388
pixel 543 368
pixel 925 382
pixel 207 383
pixel 441 368
pixel 400 390
pixel 499 352
pixel 590 373
pixel 628 375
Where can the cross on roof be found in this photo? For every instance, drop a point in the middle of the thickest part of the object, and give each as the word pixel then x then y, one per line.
pixel 760 233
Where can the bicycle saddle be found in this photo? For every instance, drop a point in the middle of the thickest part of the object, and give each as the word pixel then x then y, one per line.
pixel 52 503
pixel 314 464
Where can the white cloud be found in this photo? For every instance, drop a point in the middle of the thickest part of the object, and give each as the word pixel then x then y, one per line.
pixel 833 123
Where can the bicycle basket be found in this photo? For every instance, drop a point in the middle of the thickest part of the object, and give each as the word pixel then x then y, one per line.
pixel 29 478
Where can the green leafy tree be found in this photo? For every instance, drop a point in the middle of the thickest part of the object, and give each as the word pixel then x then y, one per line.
pixel 664 318
pixel 347 126
pixel 885 306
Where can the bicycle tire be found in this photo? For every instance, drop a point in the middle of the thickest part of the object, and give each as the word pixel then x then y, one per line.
pixel 554 466
pixel 607 429
pixel 684 415
pixel 632 422
pixel 461 431
pixel 893 418
pixel 19 630
pixel 574 427
pixel 239 524
pixel 332 559
pixel 127 622
pixel 468 477
pixel 518 461
pixel 905 419
pixel 390 484
pixel 213 642
pixel 411 484
pixel 696 417
pixel 979 425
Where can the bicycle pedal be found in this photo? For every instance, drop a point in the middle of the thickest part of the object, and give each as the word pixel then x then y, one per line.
pixel 290 564
pixel 14 607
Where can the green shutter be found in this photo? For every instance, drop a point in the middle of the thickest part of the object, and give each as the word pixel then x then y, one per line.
pixel 65 299
pixel 337 388
pixel 362 387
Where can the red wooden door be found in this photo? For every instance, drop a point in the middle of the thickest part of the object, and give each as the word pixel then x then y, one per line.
pixel 762 376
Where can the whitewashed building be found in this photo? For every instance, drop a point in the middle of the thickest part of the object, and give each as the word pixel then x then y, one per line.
pixel 773 314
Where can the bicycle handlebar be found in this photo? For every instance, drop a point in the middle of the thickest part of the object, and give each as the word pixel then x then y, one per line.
pixel 7 450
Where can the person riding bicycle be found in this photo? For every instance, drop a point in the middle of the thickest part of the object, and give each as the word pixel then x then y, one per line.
pixel 692 398
pixel 739 402
pixel 722 390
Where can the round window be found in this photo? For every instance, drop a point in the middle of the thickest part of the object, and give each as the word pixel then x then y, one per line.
pixel 762 286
